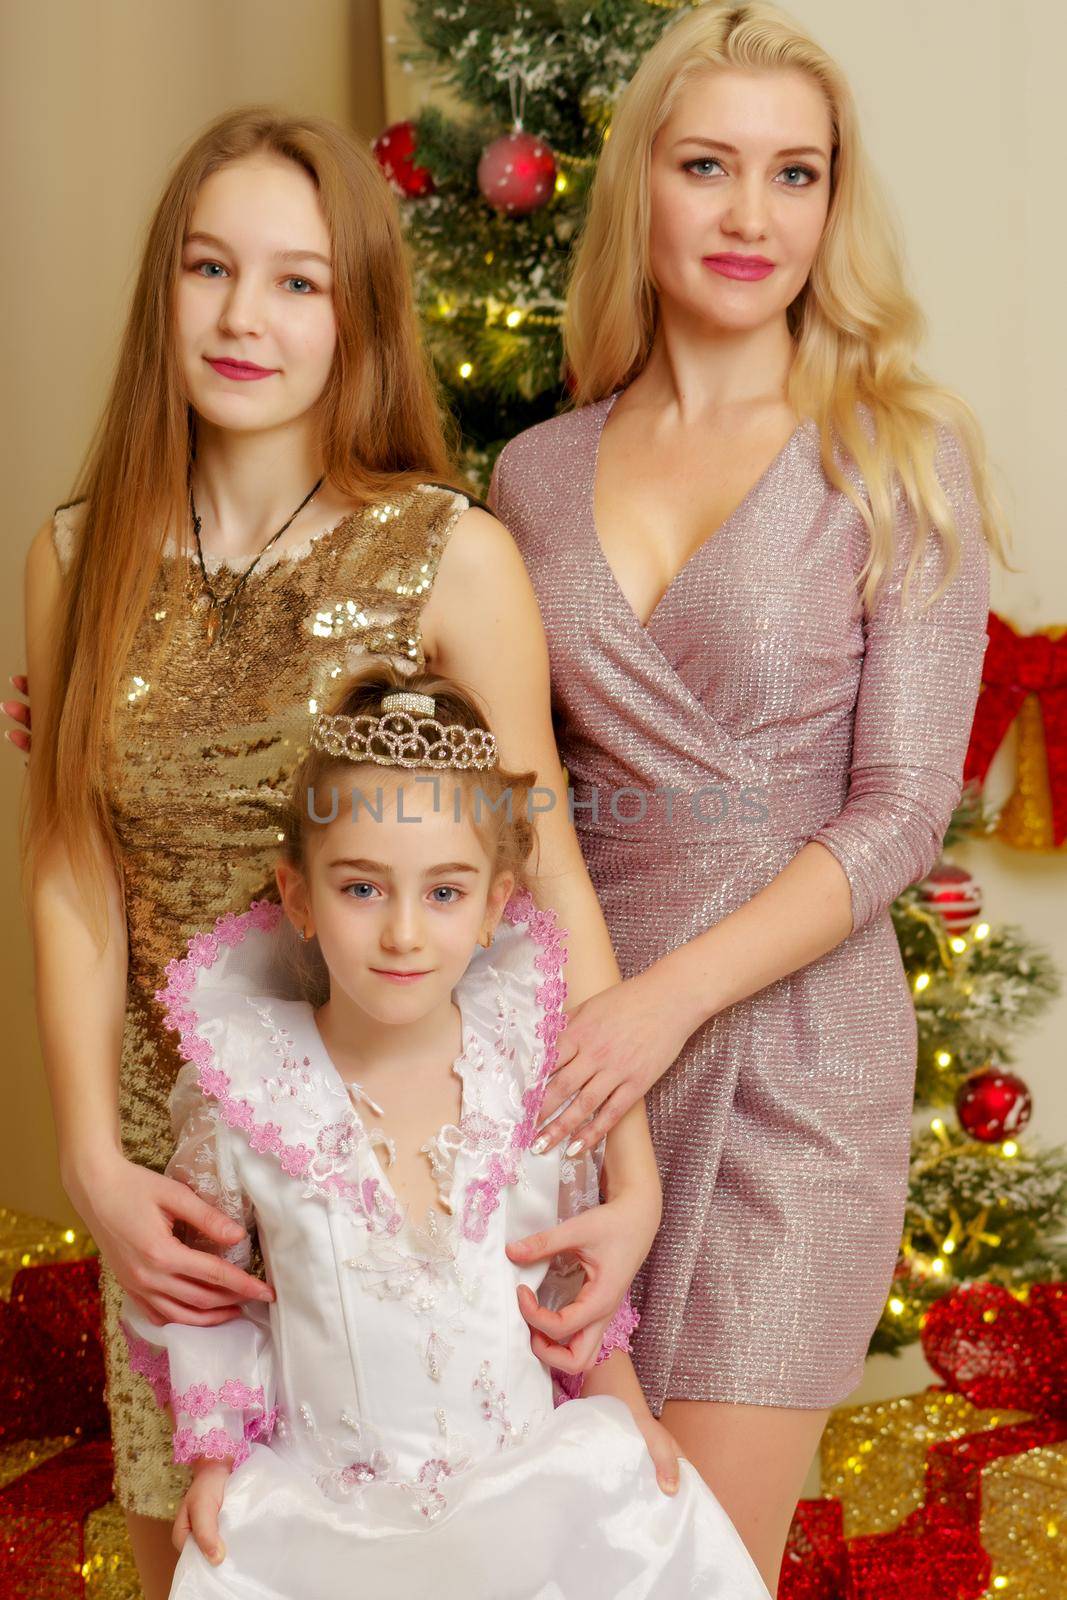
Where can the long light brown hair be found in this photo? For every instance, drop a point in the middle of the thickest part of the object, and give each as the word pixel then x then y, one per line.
pixel 380 428
pixel 855 325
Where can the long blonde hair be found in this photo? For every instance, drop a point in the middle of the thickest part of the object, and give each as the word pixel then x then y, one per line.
pixel 855 325
pixel 380 428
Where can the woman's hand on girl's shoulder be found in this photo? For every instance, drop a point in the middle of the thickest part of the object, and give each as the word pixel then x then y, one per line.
pixel 131 1211
pixel 198 1513
pixel 18 712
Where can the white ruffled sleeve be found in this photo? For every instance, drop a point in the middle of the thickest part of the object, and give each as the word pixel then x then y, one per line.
pixel 579 1188
pixel 218 1380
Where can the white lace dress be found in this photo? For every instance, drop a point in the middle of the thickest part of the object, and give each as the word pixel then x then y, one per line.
pixel 395 1435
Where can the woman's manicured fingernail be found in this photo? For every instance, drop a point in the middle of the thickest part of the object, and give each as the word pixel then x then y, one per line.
pixel 670 1485
pixel 539 1146
pixel 575 1147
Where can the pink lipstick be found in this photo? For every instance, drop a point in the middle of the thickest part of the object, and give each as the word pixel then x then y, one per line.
pixel 747 268
pixel 243 371
pixel 398 977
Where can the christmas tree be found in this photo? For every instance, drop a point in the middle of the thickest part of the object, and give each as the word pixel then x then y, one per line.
pixel 982 1203
pixel 492 203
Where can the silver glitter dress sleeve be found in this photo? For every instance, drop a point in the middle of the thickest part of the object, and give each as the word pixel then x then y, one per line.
pixel 922 665
pixel 759 708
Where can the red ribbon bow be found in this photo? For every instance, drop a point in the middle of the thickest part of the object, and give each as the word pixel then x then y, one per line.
pixel 1017 665
pixel 999 1351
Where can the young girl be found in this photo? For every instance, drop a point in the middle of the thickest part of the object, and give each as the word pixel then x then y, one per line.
pixel 362 1082
pixel 262 511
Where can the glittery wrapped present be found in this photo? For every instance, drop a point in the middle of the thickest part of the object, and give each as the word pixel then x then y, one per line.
pixel 42 1519
pixel 27 1241
pixel 62 1537
pixel 51 1354
pixel 874 1457
pixel 813 1567
pixel 961 1492
pixel 1024 1523
pixel 999 1348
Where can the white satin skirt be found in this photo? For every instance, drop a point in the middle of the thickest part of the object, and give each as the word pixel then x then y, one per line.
pixel 571 1514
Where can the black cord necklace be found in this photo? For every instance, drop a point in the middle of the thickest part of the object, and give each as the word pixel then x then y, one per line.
pixel 224 606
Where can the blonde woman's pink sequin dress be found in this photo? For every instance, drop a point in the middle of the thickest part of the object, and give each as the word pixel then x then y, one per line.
pixel 761 707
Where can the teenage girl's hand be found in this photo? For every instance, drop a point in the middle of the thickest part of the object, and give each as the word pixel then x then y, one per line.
pixel 610 1241
pixel 130 1212
pixel 19 714
pixel 198 1513
pixel 617 1044
pixel 663 1447
pixel 616 1376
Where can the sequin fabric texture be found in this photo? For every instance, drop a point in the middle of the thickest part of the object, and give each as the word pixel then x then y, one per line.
pixel 761 707
pixel 205 743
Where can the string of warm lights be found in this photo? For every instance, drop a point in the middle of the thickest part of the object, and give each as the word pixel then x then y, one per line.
pixel 964 1239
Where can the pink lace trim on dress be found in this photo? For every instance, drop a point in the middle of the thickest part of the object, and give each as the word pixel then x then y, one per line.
pixel 199 1400
pixel 203 951
pixel 482 1195
pixel 568 1385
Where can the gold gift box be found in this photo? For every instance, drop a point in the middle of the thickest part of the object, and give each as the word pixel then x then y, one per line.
pixel 1024 1523
pixel 27 1241
pixel 873 1459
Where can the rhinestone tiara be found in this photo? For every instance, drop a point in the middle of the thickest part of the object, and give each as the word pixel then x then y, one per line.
pixel 407 734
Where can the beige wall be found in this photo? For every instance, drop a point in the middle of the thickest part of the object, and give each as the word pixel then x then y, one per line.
pixel 962 103
pixel 98 97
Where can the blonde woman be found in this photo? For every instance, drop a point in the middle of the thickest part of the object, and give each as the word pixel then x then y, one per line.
pixel 759 543
pixel 260 513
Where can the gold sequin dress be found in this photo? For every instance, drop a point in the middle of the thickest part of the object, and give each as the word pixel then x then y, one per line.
pixel 205 743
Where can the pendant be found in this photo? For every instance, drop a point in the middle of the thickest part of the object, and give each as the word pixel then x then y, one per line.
pixel 218 621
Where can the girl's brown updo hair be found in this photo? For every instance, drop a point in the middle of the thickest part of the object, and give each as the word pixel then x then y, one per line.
pixel 508 840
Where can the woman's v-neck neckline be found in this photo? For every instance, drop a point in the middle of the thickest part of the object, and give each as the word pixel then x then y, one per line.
pixel 444 1218
pixel 713 538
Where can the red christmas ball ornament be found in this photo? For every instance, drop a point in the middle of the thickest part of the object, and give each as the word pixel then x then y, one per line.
pixel 954 895
pixel 395 149
pixel 517 173
pixel 993 1105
